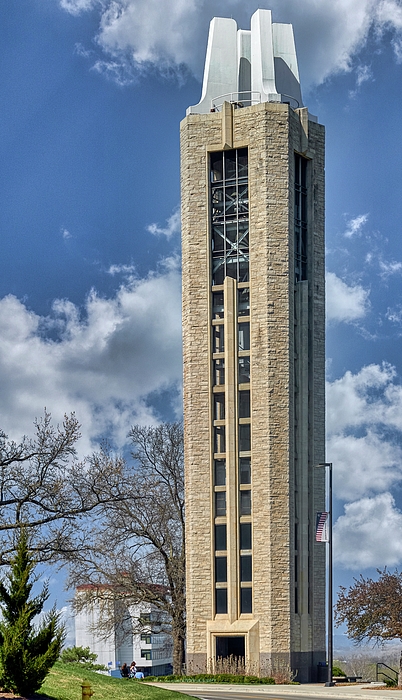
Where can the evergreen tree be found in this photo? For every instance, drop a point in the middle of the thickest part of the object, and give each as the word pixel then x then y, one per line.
pixel 26 653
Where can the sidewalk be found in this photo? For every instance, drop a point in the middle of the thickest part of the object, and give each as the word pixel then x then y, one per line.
pixel 360 691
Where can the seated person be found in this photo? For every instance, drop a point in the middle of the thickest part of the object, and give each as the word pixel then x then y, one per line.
pixel 133 669
pixel 139 674
pixel 124 671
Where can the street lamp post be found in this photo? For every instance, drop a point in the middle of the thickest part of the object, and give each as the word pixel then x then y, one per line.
pixel 329 682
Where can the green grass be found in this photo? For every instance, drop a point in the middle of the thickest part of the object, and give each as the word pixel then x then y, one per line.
pixel 64 683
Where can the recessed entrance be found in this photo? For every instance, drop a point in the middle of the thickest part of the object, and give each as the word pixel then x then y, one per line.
pixel 230 646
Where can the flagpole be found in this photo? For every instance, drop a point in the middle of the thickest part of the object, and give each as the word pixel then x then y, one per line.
pixel 330 652
pixel 330 682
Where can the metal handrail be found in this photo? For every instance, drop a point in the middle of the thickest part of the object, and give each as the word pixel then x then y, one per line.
pixel 251 97
pixel 377 672
pixel 245 98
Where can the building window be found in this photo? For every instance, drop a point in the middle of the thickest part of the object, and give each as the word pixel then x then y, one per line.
pixel 246 568
pixel 146 654
pixel 220 472
pixel 220 503
pixel 244 370
pixel 220 538
pixel 245 503
pixel 217 305
pixel 219 439
pixel 219 406
pixel 245 470
pixel 243 301
pixel 221 575
pixel 229 215
pixel 146 638
pixel 300 211
pixel 245 536
pixel 221 601
pixel 244 336
pixel 244 404
pixel 219 372
pixel 246 603
pixel 245 437
pixel 218 338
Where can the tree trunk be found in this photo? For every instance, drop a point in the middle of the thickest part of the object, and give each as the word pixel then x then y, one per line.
pixel 400 671
pixel 178 649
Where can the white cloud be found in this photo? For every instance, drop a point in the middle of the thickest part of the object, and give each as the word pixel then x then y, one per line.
pixel 397 46
pixel 370 398
pixel 172 227
pixel 344 303
pixel 66 234
pixel 364 431
pixel 77 6
pixel 394 315
pixel 355 225
pixel 363 74
pixel 388 268
pixel 329 34
pixel 102 362
pixel 127 270
pixel 368 534
pixel 364 465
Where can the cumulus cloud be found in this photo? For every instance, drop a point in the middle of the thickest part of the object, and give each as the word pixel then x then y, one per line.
pixel 343 302
pixel 364 424
pixel 172 227
pixel 145 33
pixel 103 361
pixel 371 397
pixel 367 534
pixel 365 464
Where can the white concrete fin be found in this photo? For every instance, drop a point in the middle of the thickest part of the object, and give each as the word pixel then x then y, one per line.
pixel 249 66
pixel 262 55
pixel 220 71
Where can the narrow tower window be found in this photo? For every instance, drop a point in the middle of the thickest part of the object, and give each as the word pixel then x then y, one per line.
pixel 229 215
pixel 300 208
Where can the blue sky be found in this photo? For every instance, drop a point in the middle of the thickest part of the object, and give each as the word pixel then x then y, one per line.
pixel 93 92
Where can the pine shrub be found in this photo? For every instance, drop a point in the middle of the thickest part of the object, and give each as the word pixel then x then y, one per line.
pixel 27 653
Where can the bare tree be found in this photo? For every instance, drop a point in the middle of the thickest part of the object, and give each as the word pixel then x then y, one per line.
pixel 136 547
pixel 47 490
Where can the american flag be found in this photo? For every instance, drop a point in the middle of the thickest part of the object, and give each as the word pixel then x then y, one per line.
pixel 321 530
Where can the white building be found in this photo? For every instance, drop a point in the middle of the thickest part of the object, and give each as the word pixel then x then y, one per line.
pixel 122 643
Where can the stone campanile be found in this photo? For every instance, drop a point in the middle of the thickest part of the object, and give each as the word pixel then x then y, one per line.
pixel 252 175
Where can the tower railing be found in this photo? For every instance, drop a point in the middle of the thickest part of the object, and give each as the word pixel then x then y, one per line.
pixel 247 98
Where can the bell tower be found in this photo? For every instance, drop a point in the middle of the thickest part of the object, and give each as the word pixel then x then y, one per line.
pixel 252 174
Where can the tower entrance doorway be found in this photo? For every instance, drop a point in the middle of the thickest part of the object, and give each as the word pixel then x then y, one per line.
pixel 230 646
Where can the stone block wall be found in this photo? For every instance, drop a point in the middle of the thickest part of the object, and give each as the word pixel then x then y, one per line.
pixel 283 474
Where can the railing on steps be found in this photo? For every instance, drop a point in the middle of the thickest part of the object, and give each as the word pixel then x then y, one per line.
pixel 379 672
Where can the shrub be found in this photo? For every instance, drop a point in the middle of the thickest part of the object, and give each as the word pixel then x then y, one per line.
pixel 26 654
pixel 336 671
pixel 212 678
pixel 82 656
